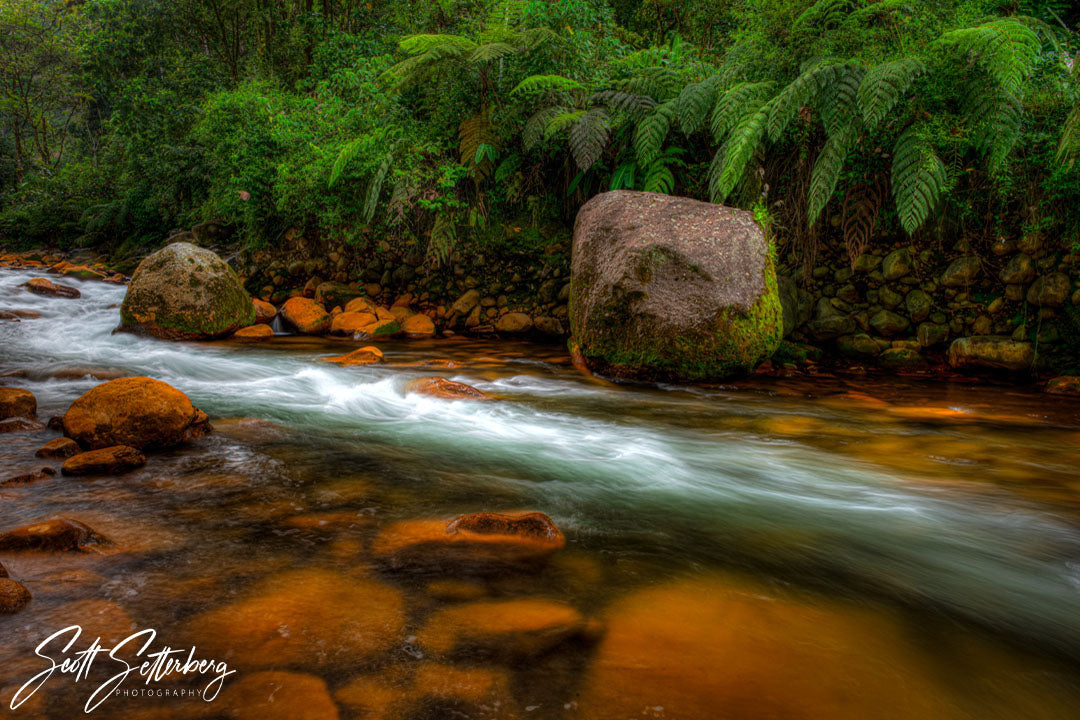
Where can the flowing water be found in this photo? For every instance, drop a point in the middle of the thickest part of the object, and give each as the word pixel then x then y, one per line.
pixel 810 547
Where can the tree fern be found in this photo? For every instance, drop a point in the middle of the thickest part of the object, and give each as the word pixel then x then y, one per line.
pixel 1006 48
pixel 562 121
pixel 883 86
pixel 660 83
pixel 659 178
pixel 473 134
pixel 346 156
pixel 619 101
pixel 733 104
pixel 993 115
pixel 798 93
pixel 491 51
pixel 918 180
pixel 1069 144
pixel 864 15
pixel 535 129
pixel 836 100
pixel 651 132
pixel 730 161
pixel 826 172
pixel 825 14
pixel 588 137
pixel 416 44
pixel 442 239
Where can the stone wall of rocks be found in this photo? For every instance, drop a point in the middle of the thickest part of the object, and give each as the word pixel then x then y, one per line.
pixel 904 306
pixel 478 291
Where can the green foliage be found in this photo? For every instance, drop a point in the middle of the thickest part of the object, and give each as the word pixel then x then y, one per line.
pixel 918 179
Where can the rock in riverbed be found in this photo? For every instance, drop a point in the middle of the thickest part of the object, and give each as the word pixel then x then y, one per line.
pixel 511 629
pixel 264 311
pixel 991 352
pixel 369 355
pixel 59 448
pixel 277 695
pixel 41 286
pixel 305 316
pixel 55 534
pixel 13 596
pixel 104 461
pixel 184 292
pixel 16 402
pixel 445 389
pixel 254 333
pixel 671 288
pixel 137 411
pixel 20 424
pixel 478 542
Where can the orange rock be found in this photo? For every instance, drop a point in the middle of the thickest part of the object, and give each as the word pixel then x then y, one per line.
pixel 384 314
pixel 446 691
pixel 309 618
pixel 305 316
pixel 418 326
pixel 27 478
pixel 400 312
pixel 20 424
pixel 17 402
pixel 372 697
pixel 504 628
pixel 479 541
pixel 446 389
pixel 1064 385
pixel 41 286
pixel 360 305
pixel 254 333
pixel 369 355
pixel 104 461
pixel 350 323
pixel 514 322
pixel 55 534
pixel 264 311
pixel 136 411
pixel 13 596
pixel 276 695
pixel 82 272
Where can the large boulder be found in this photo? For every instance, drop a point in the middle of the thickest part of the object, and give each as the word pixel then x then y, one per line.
pixel 991 352
pixel 671 288
pixel 184 292
pixel 17 402
pixel 137 411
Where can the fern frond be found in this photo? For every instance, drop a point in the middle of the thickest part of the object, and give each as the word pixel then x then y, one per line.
pixel 1069 143
pixel 918 180
pixel 1006 48
pixel 801 91
pixel 623 177
pixel 346 156
pixel 659 179
pixel 825 14
pixel 491 51
pixel 589 136
pixel 994 116
pixel 651 133
pixel 730 161
pixel 659 83
pixel 866 14
pixel 374 189
pixel 535 84
pixel 535 37
pixel 618 101
pixel 732 105
pixel 883 86
pixel 837 101
pixel 536 126
pixel 826 172
pixel 416 44
pixel 442 239
pixel 474 134
pixel 694 102
pixel 562 121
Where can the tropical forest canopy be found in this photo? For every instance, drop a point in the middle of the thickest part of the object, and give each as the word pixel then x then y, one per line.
pixel 437 124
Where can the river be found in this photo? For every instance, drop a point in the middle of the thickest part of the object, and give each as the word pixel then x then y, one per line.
pixel 814 547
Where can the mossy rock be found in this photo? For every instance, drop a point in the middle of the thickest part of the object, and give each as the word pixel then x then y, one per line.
pixel 667 288
pixel 184 292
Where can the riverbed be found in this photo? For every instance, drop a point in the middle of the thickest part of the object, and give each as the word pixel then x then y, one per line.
pixel 823 546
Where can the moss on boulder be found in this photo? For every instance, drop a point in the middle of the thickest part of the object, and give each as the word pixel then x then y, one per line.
pixel 184 292
pixel 667 288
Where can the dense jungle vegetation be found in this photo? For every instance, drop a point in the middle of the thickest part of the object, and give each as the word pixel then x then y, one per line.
pixel 841 122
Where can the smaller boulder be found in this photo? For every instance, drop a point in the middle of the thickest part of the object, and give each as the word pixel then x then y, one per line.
pixel 887 323
pixel 55 534
pixel 41 286
pixel 334 294
pixel 30 477
pixel 369 355
pixel 264 311
pixel 902 359
pixel 351 323
pixel 13 596
pixel 60 448
pixel 991 352
pixel 511 629
pixel 361 305
pixel 16 402
pixel 897 264
pixel 305 316
pixel 105 461
pixel 466 302
pixel 254 333
pixel 445 389
pixel 19 424
pixel 1049 290
pixel 961 272
pixel 1064 385
pixel 418 326
pixel 515 322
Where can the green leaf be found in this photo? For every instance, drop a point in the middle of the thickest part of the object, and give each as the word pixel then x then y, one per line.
pixel 883 86
pixel 918 180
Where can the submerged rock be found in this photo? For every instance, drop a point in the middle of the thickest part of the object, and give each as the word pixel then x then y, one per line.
pixel 184 292
pixel 30 477
pixel 511 629
pixel 310 618
pixel 994 352
pixel 13 596
pixel 479 542
pixel 305 316
pixel 254 333
pixel 441 690
pixel 264 311
pixel 20 424
pixel 138 411
pixel 445 389
pixel 55 534
pixel 41 286
pixel 17 402
pixel 104 461
pixel 1064 385
pixel 369 355
pixel 671 288
pixel 276 695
